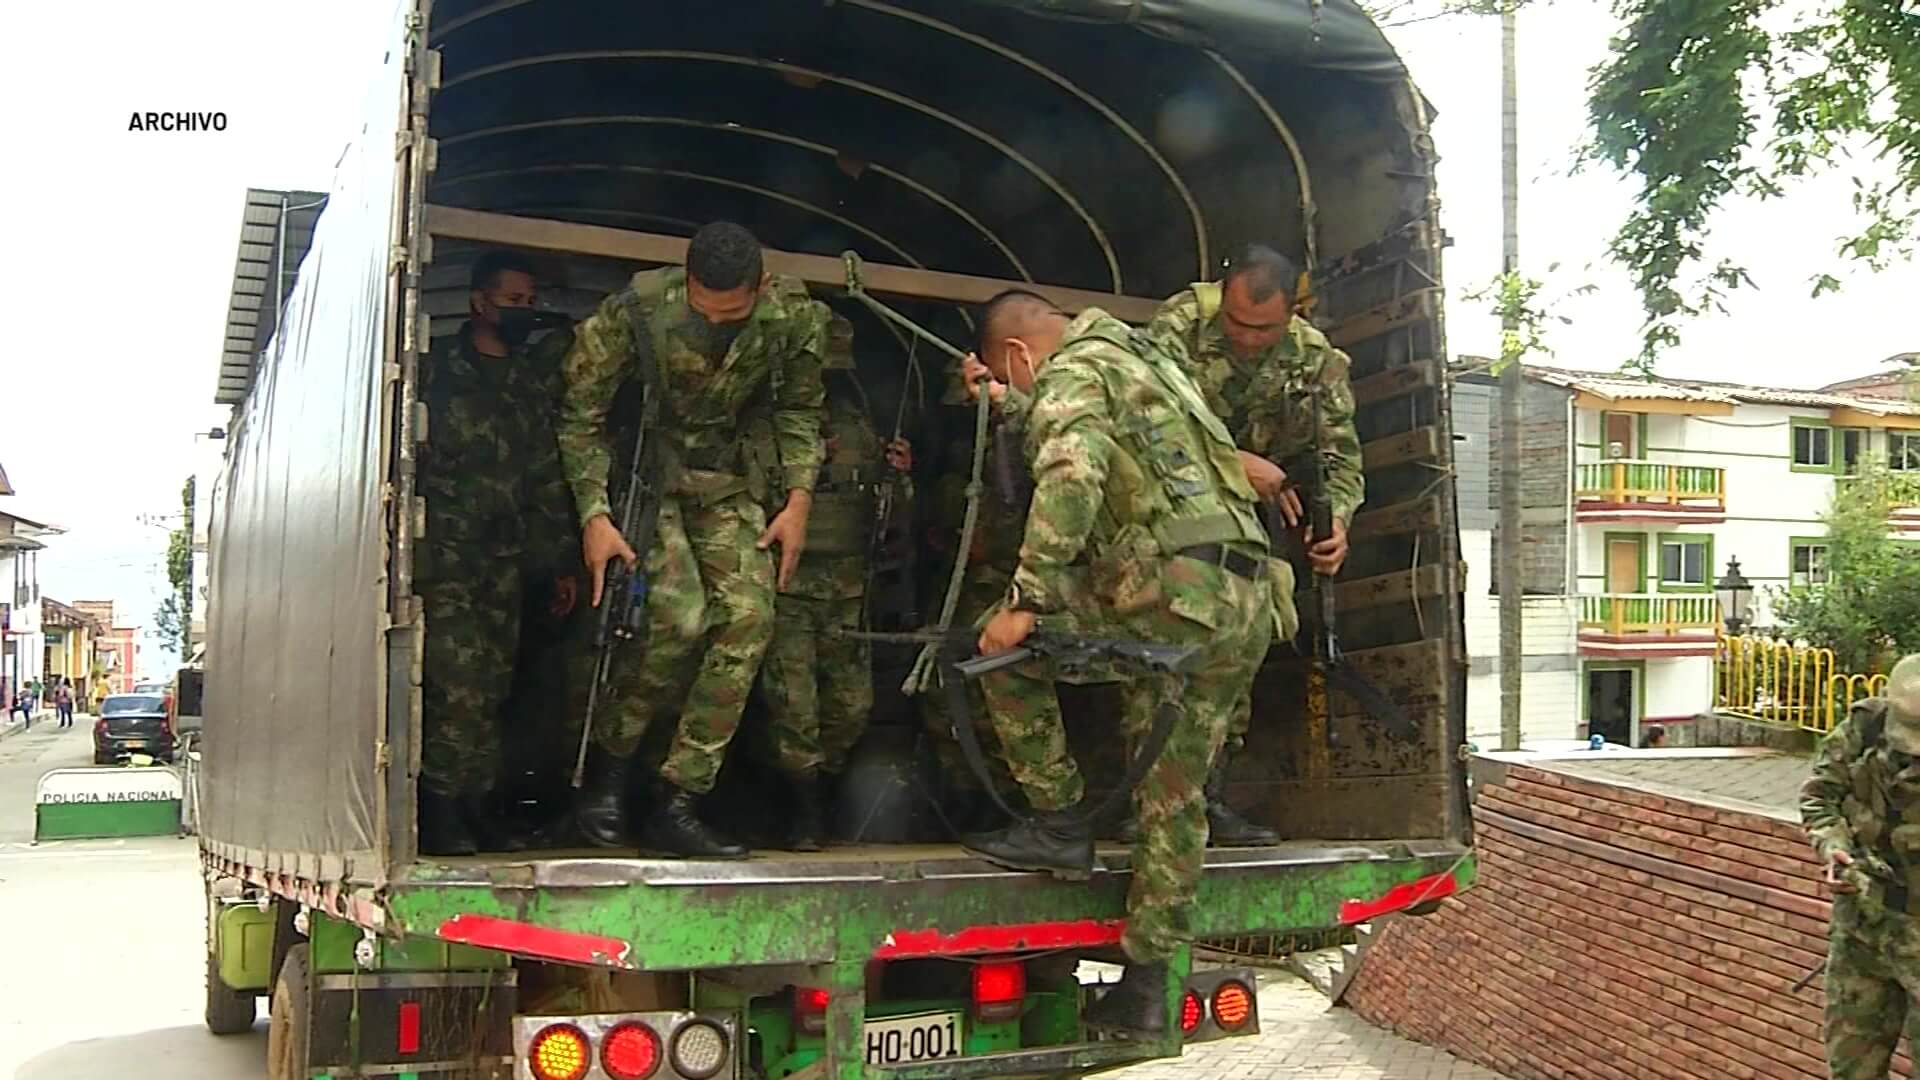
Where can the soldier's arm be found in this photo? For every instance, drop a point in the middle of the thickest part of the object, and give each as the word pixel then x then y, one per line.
pixel 1823 794
pixel 1339 438
pixel 799 396
pixel 1070 441
pixel 594 368
pixel 554 521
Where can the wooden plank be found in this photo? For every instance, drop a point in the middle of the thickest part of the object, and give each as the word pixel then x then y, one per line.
pixel 1411 308
pixel 1412 675
pixel 1414 515
pixel 1409 242
pixel 1420 444
pixel 1394 382
pixel 1398 587
pixel 542 234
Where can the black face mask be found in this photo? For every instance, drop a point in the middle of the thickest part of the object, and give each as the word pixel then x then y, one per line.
pixel 711 338
pixel 516 324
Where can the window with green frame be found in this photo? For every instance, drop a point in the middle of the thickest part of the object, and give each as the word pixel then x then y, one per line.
pixel 1812 446
pixel 1686 562
pixel 1807 561
pixel 1903 450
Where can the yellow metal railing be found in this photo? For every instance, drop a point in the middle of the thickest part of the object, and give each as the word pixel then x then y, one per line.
pixel 1784 683
pixel 1622 480
pixel 1647 613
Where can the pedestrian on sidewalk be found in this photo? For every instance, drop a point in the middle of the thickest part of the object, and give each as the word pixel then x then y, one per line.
pixel 63 701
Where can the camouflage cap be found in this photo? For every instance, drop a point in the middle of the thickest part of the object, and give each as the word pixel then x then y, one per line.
pixel 839 345
pixel 1903 705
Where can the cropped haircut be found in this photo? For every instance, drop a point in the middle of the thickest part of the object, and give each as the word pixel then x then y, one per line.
pixel 723 257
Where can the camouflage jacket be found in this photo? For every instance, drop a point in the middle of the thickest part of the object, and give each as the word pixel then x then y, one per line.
pixel 1266 401
pixel 845 503
pixel 1860 798
pixel 1129 466
pixel 771 369
pixel 490 468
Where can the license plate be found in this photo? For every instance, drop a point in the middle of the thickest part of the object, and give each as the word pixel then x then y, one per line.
pixel 135 744
pixel 925 1037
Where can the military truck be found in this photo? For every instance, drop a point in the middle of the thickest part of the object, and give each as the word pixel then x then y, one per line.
pixel 1102 153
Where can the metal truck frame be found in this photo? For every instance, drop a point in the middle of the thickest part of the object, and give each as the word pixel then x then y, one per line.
pixel 383 963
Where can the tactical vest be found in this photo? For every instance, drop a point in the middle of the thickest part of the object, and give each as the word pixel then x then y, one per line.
pixel 1203 495
pixel 1883 808
pixel 844 494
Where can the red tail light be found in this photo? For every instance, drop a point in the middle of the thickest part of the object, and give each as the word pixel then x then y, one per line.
pixel 100 726
pixel 1190 1013
pixel 409 1041
pixel 1232 1006
pixel 630 1051
pixel 998 991
pixel 810 1009
pixel 560 1052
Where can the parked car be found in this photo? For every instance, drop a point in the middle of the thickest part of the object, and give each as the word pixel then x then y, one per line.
pixel 150 688
pixel 132 724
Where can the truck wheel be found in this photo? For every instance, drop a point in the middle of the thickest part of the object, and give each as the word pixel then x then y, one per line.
pixel 229 1011
pixel 287 1020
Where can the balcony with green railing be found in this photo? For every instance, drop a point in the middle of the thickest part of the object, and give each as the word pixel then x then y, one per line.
pixel 1624 489
pixel 1655 615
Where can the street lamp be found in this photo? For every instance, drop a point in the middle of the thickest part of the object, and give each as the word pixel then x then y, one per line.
pixel 1735 591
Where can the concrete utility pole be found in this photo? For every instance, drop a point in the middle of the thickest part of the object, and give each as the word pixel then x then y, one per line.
pixel 1511 383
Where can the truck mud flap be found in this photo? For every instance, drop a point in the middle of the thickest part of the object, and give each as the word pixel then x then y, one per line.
pixel 436 1023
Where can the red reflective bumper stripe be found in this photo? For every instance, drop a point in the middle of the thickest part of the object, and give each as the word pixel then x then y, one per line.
pixel 997 939
pixel 409 1039
pixel 527 939
pixel 1399 898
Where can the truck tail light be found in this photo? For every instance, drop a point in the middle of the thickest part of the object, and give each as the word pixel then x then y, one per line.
pixel 699 1050
pixel 559 1052
pixel 630 1051
pixel 999 990
pixel 1232 1006
pixel 408 1040
pixel 810 1009
pixel 1191 1013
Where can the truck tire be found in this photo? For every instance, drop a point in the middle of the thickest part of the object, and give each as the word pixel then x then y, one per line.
pixel 287 1020
pixel 229 1011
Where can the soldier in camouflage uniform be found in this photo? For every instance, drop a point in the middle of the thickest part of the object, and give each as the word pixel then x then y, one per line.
pixel 1861 809
pixel 1258 363
pixel 1142 525
pixel 818 686
pixel 730 343
pixel 499 520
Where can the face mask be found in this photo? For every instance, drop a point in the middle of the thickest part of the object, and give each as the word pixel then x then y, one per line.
pixel 516 324
pixel 711 338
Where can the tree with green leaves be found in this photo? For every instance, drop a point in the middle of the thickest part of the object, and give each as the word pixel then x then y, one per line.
pixel 1868 609
pixel 173 622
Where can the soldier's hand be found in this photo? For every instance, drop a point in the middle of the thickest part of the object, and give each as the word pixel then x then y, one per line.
pixel 789 529
pixel 1837 863
pixel 900 455
pixel 1327 554
pixel 975 375
pixel 1270 483
pixel 566 593
pixel 601 543
pixel 1005 630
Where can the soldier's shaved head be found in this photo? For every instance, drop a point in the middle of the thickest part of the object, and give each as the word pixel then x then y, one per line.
pixel 1903 685
pixel 1019 322
pixel 1256 299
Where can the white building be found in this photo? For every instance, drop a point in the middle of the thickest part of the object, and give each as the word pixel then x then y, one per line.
pixel 22 641
pixel 1637 494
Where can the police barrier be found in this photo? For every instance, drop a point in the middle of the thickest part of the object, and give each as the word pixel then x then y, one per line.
pixel 81 803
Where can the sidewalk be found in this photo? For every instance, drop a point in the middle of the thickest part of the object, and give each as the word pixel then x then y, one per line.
pixel 1301 1038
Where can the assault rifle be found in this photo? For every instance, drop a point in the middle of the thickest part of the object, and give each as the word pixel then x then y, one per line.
pixel 1072 655
pixel 623 603
pixel 1308 473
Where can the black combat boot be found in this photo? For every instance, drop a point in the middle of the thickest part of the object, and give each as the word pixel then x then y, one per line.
pixel 491 829
pixel 600 806
pixel 443 827
pixel 1058 842
pixel 1136 1006
pixel 1124 829
pixel 674 828
pixel 1225 827
pixel 809 831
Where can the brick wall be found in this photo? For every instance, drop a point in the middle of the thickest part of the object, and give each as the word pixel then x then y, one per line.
pixel 1546 454
pixel 1614 934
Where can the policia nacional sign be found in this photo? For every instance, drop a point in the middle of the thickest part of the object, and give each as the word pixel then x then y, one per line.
pixel 74 804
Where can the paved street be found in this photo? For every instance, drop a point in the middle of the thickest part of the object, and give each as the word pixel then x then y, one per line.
pixel 102 943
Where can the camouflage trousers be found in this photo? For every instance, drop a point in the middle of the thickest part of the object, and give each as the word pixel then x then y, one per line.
pixel 818 686
pixel 1286 624
pixel 1170 805
pixel 983 587
pixel 1873 974
pixel 709 619
pixel 472 633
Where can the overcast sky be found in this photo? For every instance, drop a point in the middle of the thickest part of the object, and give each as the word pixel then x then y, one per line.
pixel 123 242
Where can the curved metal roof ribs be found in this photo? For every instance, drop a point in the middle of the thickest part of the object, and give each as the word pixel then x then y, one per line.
pixel 904 180
pixel 1046 179
pixel 1309 228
